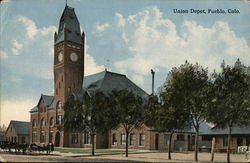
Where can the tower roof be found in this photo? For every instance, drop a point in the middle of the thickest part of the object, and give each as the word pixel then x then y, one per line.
pixel 70 24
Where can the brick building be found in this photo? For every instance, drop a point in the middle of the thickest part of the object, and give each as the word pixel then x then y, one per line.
pixel 46 121
pixel 17 132
pixel 240 136
pixel 46 118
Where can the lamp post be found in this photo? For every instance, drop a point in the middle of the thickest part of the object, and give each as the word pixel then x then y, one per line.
pixel 153 78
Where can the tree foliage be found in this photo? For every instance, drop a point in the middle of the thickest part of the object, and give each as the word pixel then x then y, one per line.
pixel 230 105
pixel 93 115
pixel 189 90
pixel 166 114
pixel 130 111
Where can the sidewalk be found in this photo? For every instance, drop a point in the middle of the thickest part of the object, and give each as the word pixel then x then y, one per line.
pixel 97 153
pixel 149 156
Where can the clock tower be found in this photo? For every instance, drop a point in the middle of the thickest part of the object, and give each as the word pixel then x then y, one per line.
pixel 68 61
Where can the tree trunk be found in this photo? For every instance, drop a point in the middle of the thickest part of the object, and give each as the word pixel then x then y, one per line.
pixel 212 149
pixel 169 145
pixel 228 143
pixel 127 134
pixel 93 143
pixel 196 144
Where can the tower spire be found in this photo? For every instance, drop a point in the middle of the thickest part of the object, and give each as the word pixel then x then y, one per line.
pixel 66 2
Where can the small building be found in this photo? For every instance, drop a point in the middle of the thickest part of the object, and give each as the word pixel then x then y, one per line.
pixel 17 132
pixel 240 136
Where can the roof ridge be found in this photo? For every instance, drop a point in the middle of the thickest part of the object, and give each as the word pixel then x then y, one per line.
pixel 17 121
pixel 115 73
pixel 47 95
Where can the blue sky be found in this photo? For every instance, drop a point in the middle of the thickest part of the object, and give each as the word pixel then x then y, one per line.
pixel 134 35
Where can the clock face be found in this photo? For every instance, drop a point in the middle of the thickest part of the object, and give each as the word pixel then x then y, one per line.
pixel 60 57
pixel 73 57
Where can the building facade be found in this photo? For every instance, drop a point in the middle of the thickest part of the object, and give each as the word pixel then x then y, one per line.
pixel 47 116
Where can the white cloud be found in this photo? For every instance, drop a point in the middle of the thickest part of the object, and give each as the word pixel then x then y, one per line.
pixel 154 42
pixel 32 31
pixel 4 1
pixel 102 27
pixel 138 79
pixel 3 54
pixel 91 66
pixel 16 47
pixel 16 110
pixel 121 20
pixel 30 25
pixel 48 30
pixel 31 42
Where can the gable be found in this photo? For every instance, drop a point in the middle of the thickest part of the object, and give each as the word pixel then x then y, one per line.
pixel 45 102
pixel 10 130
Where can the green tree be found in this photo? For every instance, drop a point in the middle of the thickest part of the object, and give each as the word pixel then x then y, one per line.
pixel 130 111
pixel 191 89
pixel 93 115
pixel 230 105
pixel 167 114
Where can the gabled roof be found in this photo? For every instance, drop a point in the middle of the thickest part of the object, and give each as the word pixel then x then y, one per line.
pixel 35 109
pixel 70 23
pixel 209 129
pixel 47 100
pixel 108 81
pixel 20 127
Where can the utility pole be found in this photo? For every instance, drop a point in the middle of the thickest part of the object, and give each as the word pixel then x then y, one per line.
pixel 153 80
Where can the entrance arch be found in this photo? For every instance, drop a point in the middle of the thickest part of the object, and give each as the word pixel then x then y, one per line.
pixel 57 139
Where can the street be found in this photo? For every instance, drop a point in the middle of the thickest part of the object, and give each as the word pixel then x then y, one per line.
pixel 135 157
pixel 13 157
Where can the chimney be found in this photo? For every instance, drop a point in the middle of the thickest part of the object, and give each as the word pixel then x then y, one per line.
pixel 153 80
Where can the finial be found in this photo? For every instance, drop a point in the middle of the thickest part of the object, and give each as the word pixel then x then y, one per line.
pixel 66 2
pixel 107 64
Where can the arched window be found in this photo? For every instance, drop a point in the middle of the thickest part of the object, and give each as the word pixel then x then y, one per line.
pixel 59 105
pixel 34 124
pixel 69 91
pixel 42 122
pixel 51 122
